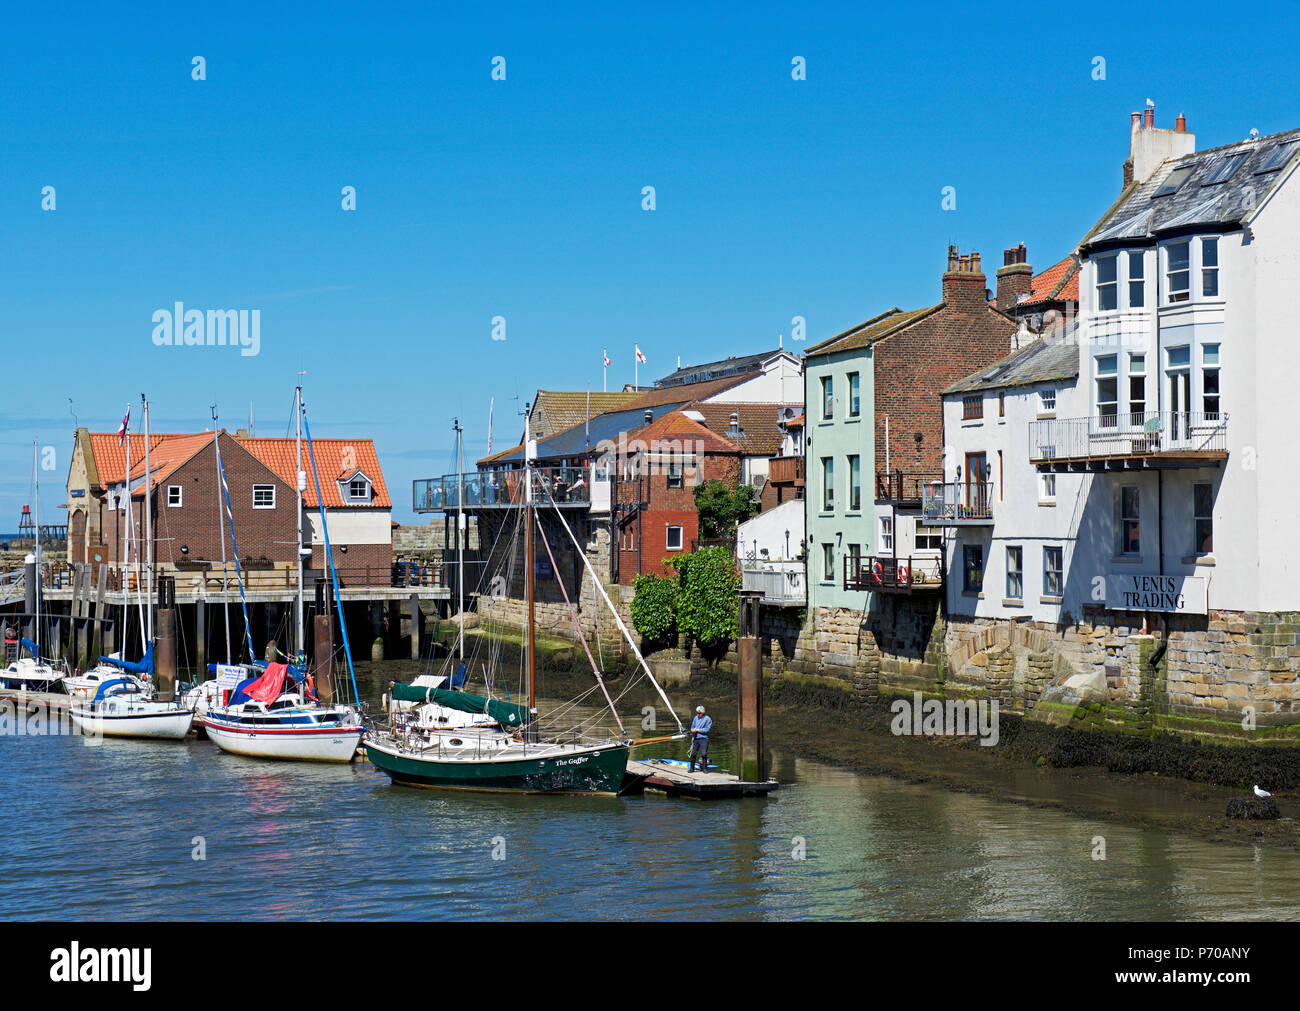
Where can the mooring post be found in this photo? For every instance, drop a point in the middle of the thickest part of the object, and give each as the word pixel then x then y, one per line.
pixel 417 627
pixel 100 586
pixel 378 648
pixel 165 654
pixel 749 654
pixel 29 579
pixel 324 645
pixel 201 638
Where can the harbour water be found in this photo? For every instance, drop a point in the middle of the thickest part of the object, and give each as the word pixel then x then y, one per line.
pixel 113 832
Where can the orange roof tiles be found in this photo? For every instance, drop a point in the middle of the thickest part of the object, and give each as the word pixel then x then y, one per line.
pixel 110 458
pixel 336 460
pixel 1058 283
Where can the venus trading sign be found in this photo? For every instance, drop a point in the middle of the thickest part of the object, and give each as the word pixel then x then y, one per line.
pixel 1177 594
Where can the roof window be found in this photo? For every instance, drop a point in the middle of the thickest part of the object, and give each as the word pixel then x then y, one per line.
pixel 1223 171
pixel 1173 181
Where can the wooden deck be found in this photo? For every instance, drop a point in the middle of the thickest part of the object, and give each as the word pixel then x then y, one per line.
pixel 661 776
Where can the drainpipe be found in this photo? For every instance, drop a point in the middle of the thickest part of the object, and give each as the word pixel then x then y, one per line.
pixel 1160 519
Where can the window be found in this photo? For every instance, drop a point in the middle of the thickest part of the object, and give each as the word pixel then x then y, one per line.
pixel 1107 390
pixel 173 495
pixel 928 538
pixel 1210 381
pixel 359 489
pixel 1173 181
pixel 674 475
pixel 1137 286
pixel 1002 403
pixel 1279 157
pixel 853 564
pixel 1015 582
pixel 1209 268
pixel 1107 283
pixel 855 401
pixel 972 407
pixel 1047 401
pixel 1053 571
pixel 1047 487
pixel 828 483
pixel 972 568
pixel 1129 542
pixel 887 535
pixel 1202 519
pixel 1137 388
pixel 1223 171
pixel 828 398
pixel 855 482
pixel 828 563
pixel 1178 272
pixel 673 541
pixel 263 496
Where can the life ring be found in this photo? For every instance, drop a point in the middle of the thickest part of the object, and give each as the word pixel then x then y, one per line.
pixel 877 572
pixel 903 574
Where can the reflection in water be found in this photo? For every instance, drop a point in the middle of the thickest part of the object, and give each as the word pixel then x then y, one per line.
pixel 109 832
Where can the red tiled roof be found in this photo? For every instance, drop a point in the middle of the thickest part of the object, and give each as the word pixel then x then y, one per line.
pixel 336 460
pixel 675 425
pixel 170 453
pixel 110 458
pixel 1058 283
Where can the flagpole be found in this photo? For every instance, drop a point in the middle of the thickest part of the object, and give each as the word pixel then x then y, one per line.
pixel 636 369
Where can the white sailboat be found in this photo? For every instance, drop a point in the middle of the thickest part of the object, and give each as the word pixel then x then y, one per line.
pixel 276 715
pixel 124 706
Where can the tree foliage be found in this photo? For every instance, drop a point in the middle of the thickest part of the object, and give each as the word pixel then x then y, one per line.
pixel 721 506
pixel 654 607
pixel 708 605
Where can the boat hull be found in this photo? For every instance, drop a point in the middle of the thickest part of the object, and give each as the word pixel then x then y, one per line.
pixel 312 744
pixel 590 770
pixel 172 726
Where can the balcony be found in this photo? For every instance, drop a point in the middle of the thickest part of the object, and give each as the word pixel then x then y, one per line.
pixel 781 583
pixel 904 487
pixel 570 487
pixel 958 504
pixel 893 575
pixel 786 470
pixel 1165 440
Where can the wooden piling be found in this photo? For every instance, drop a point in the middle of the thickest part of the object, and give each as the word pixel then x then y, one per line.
pixel 100 587
pixel 201 637
pixel 165 654
pixel 417 627
pixel 324 643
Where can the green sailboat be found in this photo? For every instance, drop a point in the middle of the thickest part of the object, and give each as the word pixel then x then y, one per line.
pixel 504 752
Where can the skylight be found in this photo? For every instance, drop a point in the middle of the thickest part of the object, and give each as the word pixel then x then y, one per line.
pixel 1173 181
pixel 1222 171
pixel 1278 157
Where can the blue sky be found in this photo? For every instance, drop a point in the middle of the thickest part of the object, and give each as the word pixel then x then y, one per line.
pixel 522 198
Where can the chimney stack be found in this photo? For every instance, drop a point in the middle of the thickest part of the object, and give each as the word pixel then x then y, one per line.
pixel 1015 279
pixel 1148 146
pixel 963 282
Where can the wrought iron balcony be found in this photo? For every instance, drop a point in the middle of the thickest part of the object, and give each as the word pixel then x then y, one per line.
pixel 893 575
pixel 958 504
pixel 1143 440
pixel 904 486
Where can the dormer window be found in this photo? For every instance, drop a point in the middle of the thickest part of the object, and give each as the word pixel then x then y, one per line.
pixel 359 489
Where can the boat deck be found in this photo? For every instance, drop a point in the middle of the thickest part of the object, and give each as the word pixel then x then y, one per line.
pixel 676 781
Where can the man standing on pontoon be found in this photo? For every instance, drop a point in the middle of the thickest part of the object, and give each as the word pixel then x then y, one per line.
pixel 700 727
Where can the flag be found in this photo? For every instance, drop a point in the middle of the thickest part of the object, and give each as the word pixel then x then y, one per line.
pixel 121 432
pixel 605 354
pixel 639 356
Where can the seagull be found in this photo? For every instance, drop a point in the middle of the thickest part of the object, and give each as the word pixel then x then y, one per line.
pixel 1150 104
pixel 1261 793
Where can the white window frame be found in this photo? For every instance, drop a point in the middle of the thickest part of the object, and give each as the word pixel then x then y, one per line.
pixel 1047 401
pixel 365 495
pixel 1017 552
pixel 925 536
pixel 855 483
pixel 179 496
pixel 1047 487
pixel 263 488
pixel 886 535
pixel 1214 368
pixel 1168 292
pixel 1122 520
pixel 1137 256
pixel 1110 287
pixel 668 538
pixel 828 398
pixel 1203 272
pixel 828 484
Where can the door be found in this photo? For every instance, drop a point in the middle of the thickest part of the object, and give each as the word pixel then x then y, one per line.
pixel 977 475
pixel 1180 398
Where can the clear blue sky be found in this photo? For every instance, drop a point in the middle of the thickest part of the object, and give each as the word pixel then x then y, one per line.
pixel 522 198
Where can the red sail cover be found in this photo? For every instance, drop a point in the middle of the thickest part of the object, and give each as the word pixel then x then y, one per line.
pixel 266 689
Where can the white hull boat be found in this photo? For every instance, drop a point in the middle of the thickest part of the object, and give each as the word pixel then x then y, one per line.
pixel 287 730
pixel 128 715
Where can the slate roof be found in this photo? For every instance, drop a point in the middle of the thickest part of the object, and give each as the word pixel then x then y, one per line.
pixel 718 370
pixel 1048 359
pixel 1216 189
pixel 874 329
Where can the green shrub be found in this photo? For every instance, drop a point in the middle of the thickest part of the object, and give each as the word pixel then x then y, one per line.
pixel 708 605
pixel 654 607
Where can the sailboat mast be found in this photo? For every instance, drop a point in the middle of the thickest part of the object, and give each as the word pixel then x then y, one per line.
pixel 460 535
pixel 148 527
pixel 36 479
pixel 528 516
pixel 302 487
pixel 124 512
pixel 221 528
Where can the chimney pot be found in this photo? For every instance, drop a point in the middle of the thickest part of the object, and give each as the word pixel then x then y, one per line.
pixel 975 263
pixel 1149 119
pixel 1137 121
pixel 952 258
pixel 1180 124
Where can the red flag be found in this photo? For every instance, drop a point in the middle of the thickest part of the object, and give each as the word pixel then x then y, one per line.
pixel 121 432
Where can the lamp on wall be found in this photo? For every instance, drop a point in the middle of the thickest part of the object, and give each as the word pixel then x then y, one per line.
pixel 185 549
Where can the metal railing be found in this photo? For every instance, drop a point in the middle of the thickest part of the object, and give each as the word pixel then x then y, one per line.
pixel 892 575
pixel 1146 433
pixel 568 486
pixel 780 582
pixel 903 486
pixel 958 502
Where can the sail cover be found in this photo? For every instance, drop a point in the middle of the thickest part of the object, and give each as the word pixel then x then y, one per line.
pixel 266 689
pixel 143 666
pixel 506 713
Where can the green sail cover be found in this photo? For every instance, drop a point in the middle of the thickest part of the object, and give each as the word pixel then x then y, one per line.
pixel 506 713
